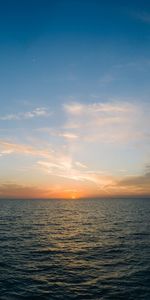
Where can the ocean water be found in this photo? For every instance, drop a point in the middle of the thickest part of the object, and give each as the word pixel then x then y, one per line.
pixel 75 249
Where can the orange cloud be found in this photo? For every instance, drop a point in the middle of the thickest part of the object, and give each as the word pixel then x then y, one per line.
pixel 14 190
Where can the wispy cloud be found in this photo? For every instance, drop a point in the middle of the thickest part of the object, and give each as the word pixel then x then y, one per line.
pixel 88 126
pixel 72 170
pixel 62 165
pixel 7 148
pixel 38 112
pixel 56 163
pixel 108 122
pixel 59 133
pixel 68 135
pixel 76 108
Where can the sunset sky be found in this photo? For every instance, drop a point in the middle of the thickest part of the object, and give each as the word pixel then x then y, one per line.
pixel 74 98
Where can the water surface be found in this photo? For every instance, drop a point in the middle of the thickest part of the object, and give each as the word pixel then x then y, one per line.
pixel 75 249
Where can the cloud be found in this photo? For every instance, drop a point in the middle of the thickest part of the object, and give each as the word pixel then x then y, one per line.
pixel 78 164
pixel 75 171
pixel 68 135
pixel 78 144
pixel 62 165
pixel 7 148
pixel 13 191
pixel 109 122
pixel 55 162
pixel 74 108
pixel 130 185
pixel 38 112
pixel 138 181
pixel 77 108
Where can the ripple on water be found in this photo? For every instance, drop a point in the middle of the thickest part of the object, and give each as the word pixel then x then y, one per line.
pixel 91 249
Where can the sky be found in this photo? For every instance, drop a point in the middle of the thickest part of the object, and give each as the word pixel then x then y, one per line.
pixel 74 98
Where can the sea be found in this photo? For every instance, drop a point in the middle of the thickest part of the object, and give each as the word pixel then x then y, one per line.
pixel 75 249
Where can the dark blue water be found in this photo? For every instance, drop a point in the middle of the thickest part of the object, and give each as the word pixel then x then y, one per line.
pixel 75 249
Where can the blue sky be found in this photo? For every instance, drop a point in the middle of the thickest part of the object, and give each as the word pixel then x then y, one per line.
pixel 75 83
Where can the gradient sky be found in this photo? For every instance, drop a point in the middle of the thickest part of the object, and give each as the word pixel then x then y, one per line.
pixel 74 98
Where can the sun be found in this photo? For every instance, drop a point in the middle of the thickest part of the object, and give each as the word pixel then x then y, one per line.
pixel 73 197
